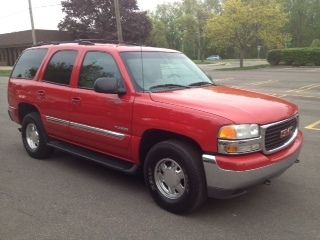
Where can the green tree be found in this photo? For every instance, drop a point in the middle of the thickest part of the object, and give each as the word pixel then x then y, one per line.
pixel 315 43
pixel 182 24
pixel 168 14
pixel 96 19
pixel 158 34
pixel 304 21
pixel 244 23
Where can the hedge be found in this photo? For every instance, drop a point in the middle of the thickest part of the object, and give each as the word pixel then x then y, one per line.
pixel 295 56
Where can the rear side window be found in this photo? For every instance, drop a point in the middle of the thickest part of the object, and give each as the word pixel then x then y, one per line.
pixel 60 67
pixel 97 65
pixel 29 63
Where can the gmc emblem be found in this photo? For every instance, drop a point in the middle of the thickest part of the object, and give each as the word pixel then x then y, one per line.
pixel 286 132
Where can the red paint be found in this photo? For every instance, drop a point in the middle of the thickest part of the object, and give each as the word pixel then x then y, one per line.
pixel 194 113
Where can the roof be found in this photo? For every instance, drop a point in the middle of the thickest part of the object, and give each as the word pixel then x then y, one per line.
pixel 24 38
pixel 86 44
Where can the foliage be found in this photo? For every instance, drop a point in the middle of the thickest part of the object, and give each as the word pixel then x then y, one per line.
pixel 274 56
pixel 167 15
pixel 5 73
pixel 244 23
pixel 315 43
pixel 96 19
pixel 295 56
pixel 304 21
pixel 182 25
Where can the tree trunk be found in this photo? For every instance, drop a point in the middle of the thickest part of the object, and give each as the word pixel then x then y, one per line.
pixel 242 53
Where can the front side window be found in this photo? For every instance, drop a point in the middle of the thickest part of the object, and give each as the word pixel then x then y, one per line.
pixel 157 71
pixel 60 67
pixel 29 63
pixel 97 65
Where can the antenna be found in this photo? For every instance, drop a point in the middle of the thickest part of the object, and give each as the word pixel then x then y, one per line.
pixel 142 70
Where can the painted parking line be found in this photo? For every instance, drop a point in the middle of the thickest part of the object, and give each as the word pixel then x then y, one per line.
pixel 304 88
pixel 314 126
pixel 262 82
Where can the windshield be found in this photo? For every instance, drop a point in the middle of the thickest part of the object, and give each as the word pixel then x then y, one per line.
pixel 159 71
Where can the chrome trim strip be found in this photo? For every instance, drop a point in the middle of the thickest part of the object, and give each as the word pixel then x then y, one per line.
pixel 222 143
pixel 83 127
pixel 285 145
pixel 276 123
pixel 99 131
pixel 209 158
pixel 57 121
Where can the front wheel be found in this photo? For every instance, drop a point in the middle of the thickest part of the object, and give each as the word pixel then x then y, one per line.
pixel 34 136
pixel 175 177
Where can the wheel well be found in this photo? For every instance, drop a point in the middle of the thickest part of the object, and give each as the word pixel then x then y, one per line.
pixel 152 137
pixel 24 109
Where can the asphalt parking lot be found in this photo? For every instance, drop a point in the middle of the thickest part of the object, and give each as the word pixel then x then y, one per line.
pixel 69 198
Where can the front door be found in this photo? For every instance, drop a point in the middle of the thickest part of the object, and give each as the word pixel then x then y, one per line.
pixel 100 121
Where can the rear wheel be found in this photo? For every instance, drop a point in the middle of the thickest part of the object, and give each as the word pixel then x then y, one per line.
pixel 175 177
pixel 34 136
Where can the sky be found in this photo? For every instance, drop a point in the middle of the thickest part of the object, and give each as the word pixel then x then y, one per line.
pixel 46 13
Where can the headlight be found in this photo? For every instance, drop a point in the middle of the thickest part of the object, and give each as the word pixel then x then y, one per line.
pixel 239 139
pixel 244 131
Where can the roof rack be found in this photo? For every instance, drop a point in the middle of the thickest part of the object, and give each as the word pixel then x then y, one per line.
pixel 87 42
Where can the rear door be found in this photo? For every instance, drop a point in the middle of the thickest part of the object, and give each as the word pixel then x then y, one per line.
pixel 100 121
pixel 55 93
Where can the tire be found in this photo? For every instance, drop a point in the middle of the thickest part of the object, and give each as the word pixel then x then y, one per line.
pixel 34 136
pixel 175 177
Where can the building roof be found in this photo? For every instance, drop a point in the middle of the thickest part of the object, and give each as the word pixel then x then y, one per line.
pixel 24 38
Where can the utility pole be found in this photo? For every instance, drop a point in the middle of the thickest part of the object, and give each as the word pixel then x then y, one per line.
pixel 118 20
pixel 34 39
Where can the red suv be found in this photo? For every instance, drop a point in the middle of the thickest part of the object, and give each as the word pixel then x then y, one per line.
pixel 130 108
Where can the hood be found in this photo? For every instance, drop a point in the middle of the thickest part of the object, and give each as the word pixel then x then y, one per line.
pixel 239 106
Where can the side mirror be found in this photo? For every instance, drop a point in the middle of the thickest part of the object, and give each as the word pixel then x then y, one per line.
pixel 108 85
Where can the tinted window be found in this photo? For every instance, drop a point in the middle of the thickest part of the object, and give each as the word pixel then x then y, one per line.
pixel 151 69
pixel 60 67
pixel 29 63
pixel 97 65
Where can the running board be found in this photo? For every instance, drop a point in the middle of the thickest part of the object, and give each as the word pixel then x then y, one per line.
pixel 108 161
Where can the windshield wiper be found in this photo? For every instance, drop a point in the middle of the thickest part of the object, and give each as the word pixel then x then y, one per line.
pixel 198 84
pixel 169 85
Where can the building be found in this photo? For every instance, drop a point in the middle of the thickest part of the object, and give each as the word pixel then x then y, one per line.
pixel 12 44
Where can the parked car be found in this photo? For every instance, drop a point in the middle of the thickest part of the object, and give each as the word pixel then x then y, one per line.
pixel 214 58
pixel 131 108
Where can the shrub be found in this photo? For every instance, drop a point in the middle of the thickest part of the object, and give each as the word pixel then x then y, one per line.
pixel 315 43
pixel 274 57
pixel 295 56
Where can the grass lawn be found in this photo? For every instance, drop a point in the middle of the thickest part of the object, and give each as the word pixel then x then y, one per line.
pixel 5 73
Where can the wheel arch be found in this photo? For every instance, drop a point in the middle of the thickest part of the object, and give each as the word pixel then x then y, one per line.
pixel 26 108
pixel 154 136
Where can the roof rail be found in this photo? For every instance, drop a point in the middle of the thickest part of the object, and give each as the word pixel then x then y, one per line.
pixel 108 41
pixel 86 42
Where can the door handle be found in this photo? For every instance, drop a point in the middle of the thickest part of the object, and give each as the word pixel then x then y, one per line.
pixel 41 93
pixel 76 100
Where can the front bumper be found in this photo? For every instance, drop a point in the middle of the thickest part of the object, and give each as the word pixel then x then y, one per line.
pixel 226 183
pixel 13 113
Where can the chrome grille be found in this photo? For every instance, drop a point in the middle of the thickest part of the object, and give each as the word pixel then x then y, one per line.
pixel 278 136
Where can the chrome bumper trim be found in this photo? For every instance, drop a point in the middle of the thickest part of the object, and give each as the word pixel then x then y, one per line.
pixel 218 178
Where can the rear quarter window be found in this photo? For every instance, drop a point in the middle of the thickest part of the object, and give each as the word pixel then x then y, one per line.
pixel 29 63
